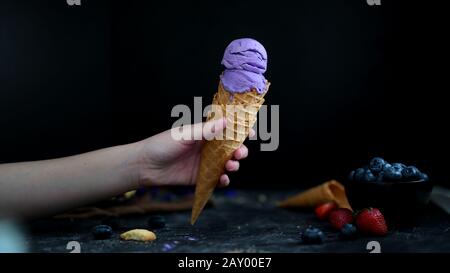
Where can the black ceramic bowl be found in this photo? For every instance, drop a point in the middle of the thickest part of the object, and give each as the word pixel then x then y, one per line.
pixel 398 201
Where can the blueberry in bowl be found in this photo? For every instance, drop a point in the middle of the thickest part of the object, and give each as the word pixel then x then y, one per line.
pixel 376 165
pixel 399 191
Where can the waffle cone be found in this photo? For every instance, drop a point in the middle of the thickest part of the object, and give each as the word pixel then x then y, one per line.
pixel 215 153
pixel 331 191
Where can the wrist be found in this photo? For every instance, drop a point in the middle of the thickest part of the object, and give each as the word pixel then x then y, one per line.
pixel 141 166
pixel 132 163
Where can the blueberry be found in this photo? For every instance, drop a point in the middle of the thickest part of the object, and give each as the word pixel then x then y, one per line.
pixel 359 174
pixel 313 235
pixel 351 176
pixel 348 232
pixel 156 222
pixel 376 165
pixel 398 166
pixel 411 173
pixel 392 174
pixel 387 165
pixel 102 232
pixel 368 176
pixel 424 176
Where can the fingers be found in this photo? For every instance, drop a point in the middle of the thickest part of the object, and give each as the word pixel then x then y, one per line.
pixel 198 131
pixel 206 130
pixel 209 131
pixel 232 166
pixel 241 153
pixel 224 180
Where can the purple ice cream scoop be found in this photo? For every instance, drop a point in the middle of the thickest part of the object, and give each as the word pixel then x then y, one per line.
pixel 245 61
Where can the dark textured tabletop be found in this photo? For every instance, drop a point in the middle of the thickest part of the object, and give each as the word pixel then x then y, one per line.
pixel 243 222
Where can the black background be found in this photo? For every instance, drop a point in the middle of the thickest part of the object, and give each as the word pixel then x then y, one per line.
pixel 353 81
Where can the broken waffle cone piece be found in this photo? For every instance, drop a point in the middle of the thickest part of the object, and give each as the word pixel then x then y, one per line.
pixel 331 191
pixel 240 110
pixel 142 235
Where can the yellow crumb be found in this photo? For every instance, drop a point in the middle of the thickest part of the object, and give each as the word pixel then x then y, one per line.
pixel 129 194
pixel 138 235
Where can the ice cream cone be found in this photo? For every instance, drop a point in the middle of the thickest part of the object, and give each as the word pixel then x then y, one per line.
pixel 217 152
pixel 331 191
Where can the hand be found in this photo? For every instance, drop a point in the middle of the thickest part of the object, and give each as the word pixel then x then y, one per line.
pixel 166 161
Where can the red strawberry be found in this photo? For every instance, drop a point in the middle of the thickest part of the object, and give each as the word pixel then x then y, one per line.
pixel 371 221
pixel 340 217
pixel 324 210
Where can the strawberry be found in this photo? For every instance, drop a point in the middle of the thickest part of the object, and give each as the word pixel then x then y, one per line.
pixel 323 211
pixel 371 221
pixel 339 217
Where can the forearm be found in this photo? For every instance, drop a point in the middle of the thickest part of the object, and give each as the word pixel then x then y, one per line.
pixel 37 188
